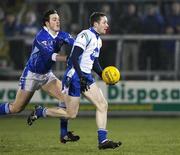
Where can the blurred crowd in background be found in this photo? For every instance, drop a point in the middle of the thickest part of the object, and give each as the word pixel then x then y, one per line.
pixel 20 20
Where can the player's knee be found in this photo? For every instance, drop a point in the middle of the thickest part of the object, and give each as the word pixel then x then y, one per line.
pixel 72 115
pixel 103 106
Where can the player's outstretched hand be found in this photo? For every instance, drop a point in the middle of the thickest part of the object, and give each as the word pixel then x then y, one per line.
pixel 84 84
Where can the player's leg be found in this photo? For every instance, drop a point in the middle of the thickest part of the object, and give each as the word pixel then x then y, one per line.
pixel 22 99
pixel 23 96
pixel 65 135
pixel 63 128
pixel 54 88
pixel 95 95
pixel 71 107
pixel 71 90
pixel 63 121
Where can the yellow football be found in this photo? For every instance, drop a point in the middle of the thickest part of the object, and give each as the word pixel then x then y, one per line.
pixel 111 75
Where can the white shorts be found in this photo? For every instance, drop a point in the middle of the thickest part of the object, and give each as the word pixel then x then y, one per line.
pixel 30 81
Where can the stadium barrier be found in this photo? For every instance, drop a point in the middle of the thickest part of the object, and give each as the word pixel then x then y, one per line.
pixel 119 40
pixel 141 97
pixel 125 98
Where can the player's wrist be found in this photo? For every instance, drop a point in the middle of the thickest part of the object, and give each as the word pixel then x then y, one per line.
pixel 53 57
pixel 100 74
pixel 82 78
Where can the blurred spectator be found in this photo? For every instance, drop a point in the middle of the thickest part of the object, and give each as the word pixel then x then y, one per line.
pixel 29 29
pixel 173 18
pixel 109 47
pixel 12 31
pixel 10 25
pixel 4 46
pixel 168 50
pixel 152 23
pixel 74 29
pixel 30 26
pixel 65 16
pixel 129 23
pixel 106 8
pixel 2 14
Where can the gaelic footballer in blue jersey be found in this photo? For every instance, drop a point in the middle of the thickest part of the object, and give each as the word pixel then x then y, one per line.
pixel 37 73
pixel 78 77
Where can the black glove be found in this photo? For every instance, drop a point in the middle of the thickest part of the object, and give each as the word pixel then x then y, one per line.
pixel 84 84
pixel 100 74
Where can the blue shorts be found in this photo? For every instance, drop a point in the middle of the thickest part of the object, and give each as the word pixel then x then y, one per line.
pixel 74 88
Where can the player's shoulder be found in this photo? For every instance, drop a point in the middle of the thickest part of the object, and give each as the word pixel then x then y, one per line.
pixel 86 34
pixel 63 34
pixel 42 34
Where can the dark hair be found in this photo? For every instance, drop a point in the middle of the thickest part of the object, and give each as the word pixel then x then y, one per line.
pixel 46 16
pixel 95 17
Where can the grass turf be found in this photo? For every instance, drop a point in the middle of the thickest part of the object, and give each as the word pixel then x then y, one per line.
pixel 140 136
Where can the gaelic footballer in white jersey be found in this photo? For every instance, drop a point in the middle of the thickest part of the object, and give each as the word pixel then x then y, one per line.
pixel 78 78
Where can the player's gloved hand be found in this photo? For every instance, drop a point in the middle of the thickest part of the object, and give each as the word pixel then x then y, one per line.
pixel 100 75
pixel 84 84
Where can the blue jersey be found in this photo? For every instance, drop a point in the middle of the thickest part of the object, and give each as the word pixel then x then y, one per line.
pixel 44 45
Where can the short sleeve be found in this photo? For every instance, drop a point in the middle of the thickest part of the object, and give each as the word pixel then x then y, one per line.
pixel 82 40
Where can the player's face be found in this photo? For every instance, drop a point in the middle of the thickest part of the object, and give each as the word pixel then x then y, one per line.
pixel 102 25
pixel 54 23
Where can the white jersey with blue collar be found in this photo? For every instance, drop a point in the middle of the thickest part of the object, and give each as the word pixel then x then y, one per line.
pixel 90 41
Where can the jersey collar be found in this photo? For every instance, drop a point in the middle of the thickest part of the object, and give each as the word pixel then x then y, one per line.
pixel 52 35
pixel 93 31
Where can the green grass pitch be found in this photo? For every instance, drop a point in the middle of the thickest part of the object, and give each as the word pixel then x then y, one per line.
pixel 140 136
